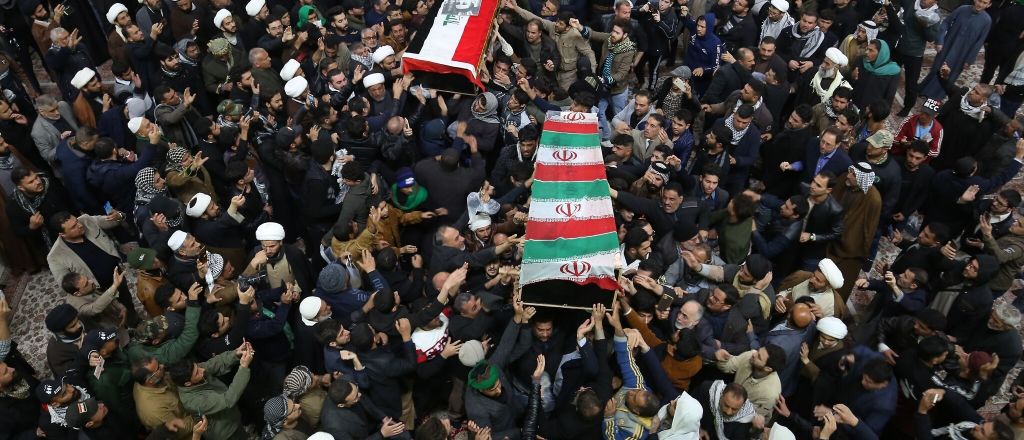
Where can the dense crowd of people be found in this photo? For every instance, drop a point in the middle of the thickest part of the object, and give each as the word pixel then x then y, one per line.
pixel 326 248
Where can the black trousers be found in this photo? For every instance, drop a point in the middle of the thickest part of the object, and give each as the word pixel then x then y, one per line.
pixel 912 69
pixel 647 70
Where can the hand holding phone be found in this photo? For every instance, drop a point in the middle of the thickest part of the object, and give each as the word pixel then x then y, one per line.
pixel 107 208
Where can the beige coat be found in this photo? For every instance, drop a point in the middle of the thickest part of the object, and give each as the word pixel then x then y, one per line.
pixel 63 260
pixel 571 45
pixel 622 63
pixel 100 310
pixel 156 406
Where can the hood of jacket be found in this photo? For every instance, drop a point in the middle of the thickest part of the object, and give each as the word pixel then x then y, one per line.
pixel 988 268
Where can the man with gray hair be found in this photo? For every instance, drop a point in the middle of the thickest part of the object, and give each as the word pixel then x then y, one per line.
pixel 263 75
pixel 1000 338
pixel 66 57
pixel 56 122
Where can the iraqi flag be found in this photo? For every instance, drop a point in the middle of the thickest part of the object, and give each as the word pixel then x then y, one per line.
pixel 451 41
pixel 571 234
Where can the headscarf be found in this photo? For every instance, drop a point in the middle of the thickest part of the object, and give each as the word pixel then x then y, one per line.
pixel 865 175
pixel 882 66
pixel 174 157
pixel 219 46
pixel 483 376
pixel 489 115
pixel 275 412
pixel 812 40
pixel 304 16
pixel 182 46
pixel 297 382
pixel 144 189
pixel 870 29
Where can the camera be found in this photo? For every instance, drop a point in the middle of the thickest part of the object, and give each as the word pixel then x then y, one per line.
pixel 246 281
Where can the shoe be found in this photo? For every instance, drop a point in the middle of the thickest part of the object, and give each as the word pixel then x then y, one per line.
pixel 905 111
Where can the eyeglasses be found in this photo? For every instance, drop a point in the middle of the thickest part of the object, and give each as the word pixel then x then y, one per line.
pixel 371 37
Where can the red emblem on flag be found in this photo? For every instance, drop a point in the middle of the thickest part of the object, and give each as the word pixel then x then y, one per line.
pixel 564 155
pixel 575 268
pixel 574 116
pixel 568 209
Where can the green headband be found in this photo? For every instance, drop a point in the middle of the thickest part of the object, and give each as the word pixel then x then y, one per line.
pixel 486 376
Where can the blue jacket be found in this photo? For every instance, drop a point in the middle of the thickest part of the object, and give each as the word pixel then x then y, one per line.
pixel 349 300
pixel 745 153
pixel 74 166
pixel 873 408
pixel 705 52
pixel 112 124
pixel 115 179
pixel 838 164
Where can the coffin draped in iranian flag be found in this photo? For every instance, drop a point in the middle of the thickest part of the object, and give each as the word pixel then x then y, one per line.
pixel 572 247
pixel 449 47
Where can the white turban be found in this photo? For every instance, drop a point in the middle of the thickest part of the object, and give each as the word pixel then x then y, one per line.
pixel 780 432
pixel 177 239
pixel 222 15
pixel 309 308
pixel 254 6
pixel 114 11
pixel 837 56
pixel 373 79
pixel 295 86
pixel 381 53
pixel 480 220
pixel 289 70
pixel 781 5
pixel 832 326
pixel 831 272
pixel 83 77
pixel 197 206
pixel 270 231
pixel 134 124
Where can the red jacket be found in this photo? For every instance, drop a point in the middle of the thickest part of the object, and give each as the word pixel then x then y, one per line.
pixel 908 129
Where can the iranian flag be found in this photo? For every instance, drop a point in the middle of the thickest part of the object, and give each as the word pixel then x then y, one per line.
pixel 571 234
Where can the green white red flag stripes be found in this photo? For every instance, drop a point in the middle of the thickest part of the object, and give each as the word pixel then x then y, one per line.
pixel 571 233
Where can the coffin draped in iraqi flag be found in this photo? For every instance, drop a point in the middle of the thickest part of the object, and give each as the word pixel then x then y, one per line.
pixel 571 233
pixel 449 47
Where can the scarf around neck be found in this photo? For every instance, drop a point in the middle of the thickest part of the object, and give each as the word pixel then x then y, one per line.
pixel 145 191
pixel 32 206
pixel 954 430
pixel 970 110
pixel 882 66
pixel 418 196
pixel 774 28
pixel 745 415
pixel 737 135
pixel 623 46
pixel 6 161
pixel 811 41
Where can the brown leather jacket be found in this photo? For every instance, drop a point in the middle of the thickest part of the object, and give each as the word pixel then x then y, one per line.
pixel 145 289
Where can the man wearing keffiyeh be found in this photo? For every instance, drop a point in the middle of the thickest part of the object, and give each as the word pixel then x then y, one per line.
pixel 973 428
pixel 862 209
pixel 727 412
